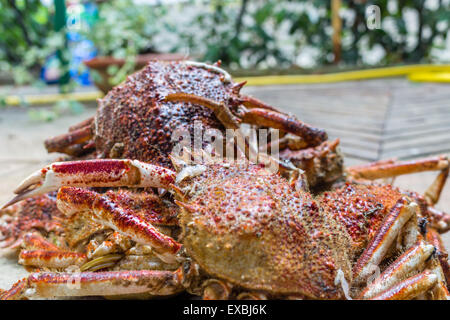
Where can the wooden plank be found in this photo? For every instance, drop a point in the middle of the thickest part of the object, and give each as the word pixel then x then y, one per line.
pixel 423 151
pixel 423 141
pixel 416 127
pixel 408 134
pixel 353 134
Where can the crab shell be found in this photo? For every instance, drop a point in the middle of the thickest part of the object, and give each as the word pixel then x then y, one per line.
pixel 270 237
pixel 134 116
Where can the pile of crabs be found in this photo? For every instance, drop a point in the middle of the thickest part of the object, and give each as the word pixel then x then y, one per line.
pixel 120 216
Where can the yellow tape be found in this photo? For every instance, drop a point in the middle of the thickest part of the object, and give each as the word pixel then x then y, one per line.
pixel 52 98
pixel 421 72
pixel 430 77
pixel 346 76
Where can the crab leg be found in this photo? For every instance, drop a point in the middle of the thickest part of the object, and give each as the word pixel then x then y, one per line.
pixel 51 259
pixel 82 124
pixel 251 102
pixel 440 220
pixel 259 116
pixel 41 253
pixel 64 143
pixel 32 241
pixel 434 238
pixel 221 111
pixel 386 169
pixel 440 291
pixel 268 118
pixel 110 214
pixel 48 285
pixel 94 173
pixel 410 288
pixel 434 191
pixel 385 236
pixel 16 292
pixel 389 169
pixel 410 260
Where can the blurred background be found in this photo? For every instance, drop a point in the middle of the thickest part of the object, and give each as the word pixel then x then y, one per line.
pixel 373 73
pixel 42 40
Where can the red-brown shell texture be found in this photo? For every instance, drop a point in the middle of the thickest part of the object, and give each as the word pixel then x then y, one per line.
pixel 133 113
pixel 34 214
pixel 360 208
pixel 250 227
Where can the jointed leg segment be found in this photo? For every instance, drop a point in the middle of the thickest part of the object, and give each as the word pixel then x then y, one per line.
pixel 49 285
pixel 257 114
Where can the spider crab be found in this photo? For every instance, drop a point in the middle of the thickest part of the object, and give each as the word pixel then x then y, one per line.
pixel 246 232
pixel 226 216
pixel 137 119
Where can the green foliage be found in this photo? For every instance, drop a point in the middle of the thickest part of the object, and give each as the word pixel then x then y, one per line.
pixel 256 33
pixel 242 33
pixel 401 44
pixel 26 38
pixel 122 31
pixel 123 27
pixel 234 32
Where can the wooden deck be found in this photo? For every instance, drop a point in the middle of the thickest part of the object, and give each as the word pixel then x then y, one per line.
pixel 374 120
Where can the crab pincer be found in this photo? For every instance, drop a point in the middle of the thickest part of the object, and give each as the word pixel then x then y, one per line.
pixel 93 173
pixel 103 173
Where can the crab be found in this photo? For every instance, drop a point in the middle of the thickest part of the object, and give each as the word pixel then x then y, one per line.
pixel 39 214
pixel 246 232
pixel 138 118
pixel 124 121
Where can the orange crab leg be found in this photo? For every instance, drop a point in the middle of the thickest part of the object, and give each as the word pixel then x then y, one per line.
pixel 108 213
pixel 221 111
pixel 434 191
pixel 139 230
pixel 94 173
pixel 385 236
pixel 49 285
pixel 64 143
pixel 389 169
pixel 410 288
pixel 263 117
pixel 259 116
pixel 41 253
pixel 51 259
pixel 16 292
pixel 434 238
pixel 251 102
pixel 82 124
pixel 407 262
pixel 32 241
pixel 440 220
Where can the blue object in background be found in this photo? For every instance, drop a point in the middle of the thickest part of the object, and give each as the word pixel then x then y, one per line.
pixel 80 50
pixel 79 16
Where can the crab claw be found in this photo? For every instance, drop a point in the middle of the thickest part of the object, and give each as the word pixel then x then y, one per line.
pixel 93 173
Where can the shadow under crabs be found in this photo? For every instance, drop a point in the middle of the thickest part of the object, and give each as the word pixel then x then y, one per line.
pixel 246 232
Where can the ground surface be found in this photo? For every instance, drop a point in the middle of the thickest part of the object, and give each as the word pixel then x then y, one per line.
pixel 374 119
